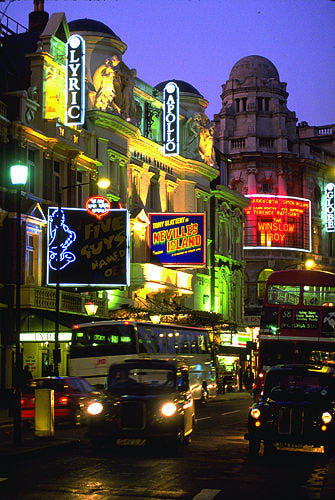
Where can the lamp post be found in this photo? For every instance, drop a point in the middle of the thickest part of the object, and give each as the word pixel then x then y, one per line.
pixel 18 174
pixel 104 184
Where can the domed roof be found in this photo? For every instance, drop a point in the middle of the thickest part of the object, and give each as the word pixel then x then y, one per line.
pixel 90 25
pixel 253 66
pixel 183 87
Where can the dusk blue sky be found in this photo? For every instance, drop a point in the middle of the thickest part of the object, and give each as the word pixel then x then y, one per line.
pixel 200 40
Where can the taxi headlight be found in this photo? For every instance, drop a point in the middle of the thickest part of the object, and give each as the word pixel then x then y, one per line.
pixel 255 413
pixel 95 408
pixel 168 409
pixel 326 417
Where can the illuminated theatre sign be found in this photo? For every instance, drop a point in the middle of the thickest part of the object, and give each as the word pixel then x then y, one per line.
pixel 87 250
pixel 281 222
pixel 171 119
pixel 330 207
pixel 177 240
pixel 75 81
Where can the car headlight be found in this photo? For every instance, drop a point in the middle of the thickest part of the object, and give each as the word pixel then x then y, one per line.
pixel 95 408
pixel 168 409
pixel 255 413
pixel 326 417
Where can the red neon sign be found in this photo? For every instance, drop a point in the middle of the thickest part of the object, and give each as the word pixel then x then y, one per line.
pixel 98 206
pixel 278 222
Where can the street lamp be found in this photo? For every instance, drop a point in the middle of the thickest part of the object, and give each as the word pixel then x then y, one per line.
pixel 18 174
pixel 91 308
pixel 104 184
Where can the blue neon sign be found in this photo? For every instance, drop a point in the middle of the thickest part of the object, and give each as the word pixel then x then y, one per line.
pixel 86 251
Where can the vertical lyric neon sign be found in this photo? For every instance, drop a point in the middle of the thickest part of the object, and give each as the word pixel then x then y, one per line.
pixel 330 207
pixel 75 81
pixel 171 119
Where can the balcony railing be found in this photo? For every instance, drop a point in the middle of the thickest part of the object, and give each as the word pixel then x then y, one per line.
pixel 44 298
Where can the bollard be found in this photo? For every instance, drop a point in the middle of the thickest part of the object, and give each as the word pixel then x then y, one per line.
pixel 44 413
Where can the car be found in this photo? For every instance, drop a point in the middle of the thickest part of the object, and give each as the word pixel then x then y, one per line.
pixel 295 410
pixel 145 401
pixel 71 397
pixel 229 383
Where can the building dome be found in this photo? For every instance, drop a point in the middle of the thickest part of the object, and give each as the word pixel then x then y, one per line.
pixel 90 25
pixel 253 66
pixel 183 87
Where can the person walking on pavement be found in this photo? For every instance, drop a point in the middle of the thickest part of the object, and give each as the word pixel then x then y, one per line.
pixel 26 375
pixel 248 379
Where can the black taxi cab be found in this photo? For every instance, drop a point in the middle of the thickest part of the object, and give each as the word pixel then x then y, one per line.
pixel 145 400
pixel 295 410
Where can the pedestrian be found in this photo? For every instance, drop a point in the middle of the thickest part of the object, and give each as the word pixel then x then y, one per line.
pixel 248 379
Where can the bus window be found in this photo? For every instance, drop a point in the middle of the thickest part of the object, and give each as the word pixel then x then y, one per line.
pixel 161 338
pixel 283 294
pixel 148 340
pixel 171 342
pixel 194 343
pixel 318 295
pixel 183 343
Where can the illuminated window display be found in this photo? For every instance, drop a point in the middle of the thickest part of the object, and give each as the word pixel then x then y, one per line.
pixel 54 84
pixel 278 222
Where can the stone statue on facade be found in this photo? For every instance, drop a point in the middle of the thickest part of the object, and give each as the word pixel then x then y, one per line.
pixel 192 136
pixel 199 139
pixel 113 89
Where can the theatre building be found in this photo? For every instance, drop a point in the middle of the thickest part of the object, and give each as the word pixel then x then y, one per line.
pixel 74 112
pixel 284 168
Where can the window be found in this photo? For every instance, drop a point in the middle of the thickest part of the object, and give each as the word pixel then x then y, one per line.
pixel 266 103
pixel 56 176
pixel 32 259
pixel 31 161
pixel 284 294
pixel 259 103
pixel 79 189
pixel 237 105
pixel 261 282
pixel 153 195
pixel 244 103
pixel 318 295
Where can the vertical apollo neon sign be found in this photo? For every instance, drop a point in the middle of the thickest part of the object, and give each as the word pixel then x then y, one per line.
pixel 75 81
pixel 171 119
pixel 330 207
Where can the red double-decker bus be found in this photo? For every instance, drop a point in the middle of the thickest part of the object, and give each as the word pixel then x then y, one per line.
pixel 297 320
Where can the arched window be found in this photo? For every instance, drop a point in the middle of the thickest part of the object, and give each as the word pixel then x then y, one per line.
pixel 317 198
pixel 261 282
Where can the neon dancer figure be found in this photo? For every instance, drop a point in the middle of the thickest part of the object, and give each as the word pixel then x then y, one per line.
pixel 61 237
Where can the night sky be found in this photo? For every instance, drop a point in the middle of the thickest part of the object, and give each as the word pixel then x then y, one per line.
pixel 200 40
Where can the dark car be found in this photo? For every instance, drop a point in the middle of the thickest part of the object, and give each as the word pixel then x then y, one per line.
pixel 295 410
pixel 71 397
pixel 145 400
pixel 229 383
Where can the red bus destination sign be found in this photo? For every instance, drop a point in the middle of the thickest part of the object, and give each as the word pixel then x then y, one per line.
pixel 281 222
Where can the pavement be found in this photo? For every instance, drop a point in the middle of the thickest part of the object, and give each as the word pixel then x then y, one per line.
pixel 64 436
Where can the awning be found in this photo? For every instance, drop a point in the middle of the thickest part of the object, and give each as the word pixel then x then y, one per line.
pixel 230 350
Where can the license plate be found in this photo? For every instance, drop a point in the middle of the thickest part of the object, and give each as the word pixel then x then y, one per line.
pixel 131 442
